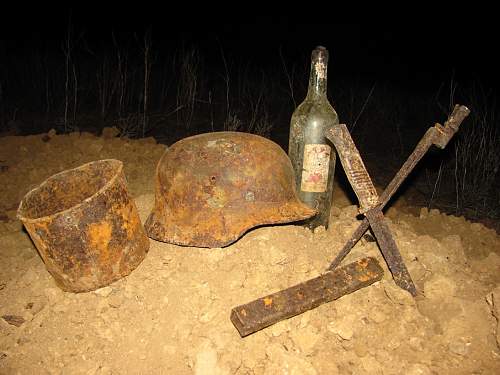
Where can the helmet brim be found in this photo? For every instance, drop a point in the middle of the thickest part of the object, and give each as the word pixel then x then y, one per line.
pixel 222 227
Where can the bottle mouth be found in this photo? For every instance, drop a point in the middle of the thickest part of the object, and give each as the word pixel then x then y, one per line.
pixel 320 53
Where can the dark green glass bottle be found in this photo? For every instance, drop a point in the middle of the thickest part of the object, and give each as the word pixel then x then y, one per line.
pixel 312 155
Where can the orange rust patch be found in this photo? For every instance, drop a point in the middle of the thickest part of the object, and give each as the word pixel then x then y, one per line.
pixel 216 186
pixel 131 220
pixel 363 262
pixel 268 301
pixel 365 277
pixel 99 235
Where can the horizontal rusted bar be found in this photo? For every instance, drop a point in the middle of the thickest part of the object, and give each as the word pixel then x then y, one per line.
pixel 265 311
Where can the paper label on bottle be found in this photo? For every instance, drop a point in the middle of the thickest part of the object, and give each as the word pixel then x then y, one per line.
pixel 315 168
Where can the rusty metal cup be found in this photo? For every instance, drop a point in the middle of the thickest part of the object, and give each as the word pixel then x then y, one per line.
pixel 85 226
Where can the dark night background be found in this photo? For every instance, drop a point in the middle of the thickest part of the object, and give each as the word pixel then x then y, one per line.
pixel 420 58
pixel 415 54
pixel 388 82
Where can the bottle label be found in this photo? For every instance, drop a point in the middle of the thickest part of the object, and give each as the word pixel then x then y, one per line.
pixel 315 168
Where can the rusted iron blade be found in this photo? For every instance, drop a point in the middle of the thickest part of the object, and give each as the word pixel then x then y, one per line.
pixel 438 135
pixel 305 296
pixel 390 251
pixel 354 167
pixel 368 200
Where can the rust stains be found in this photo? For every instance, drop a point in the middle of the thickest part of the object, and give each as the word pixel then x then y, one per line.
pixel 99 235
pixel 211 188
pixel 268 301
pixel 308 295
pixel 85 226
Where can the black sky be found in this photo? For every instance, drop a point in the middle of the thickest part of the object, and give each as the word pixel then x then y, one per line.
pixel 413 54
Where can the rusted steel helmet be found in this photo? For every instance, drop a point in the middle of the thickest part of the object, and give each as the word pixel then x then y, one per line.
pixel 211 188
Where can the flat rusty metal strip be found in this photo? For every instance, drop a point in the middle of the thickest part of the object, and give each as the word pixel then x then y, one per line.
pixel 390 251
pixel 266 311
pixel 438 135
pixel 354 167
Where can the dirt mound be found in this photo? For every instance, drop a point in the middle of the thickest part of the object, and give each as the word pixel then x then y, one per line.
pixel 171 315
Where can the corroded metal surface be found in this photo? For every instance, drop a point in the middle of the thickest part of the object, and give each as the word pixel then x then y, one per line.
pixel 354 167
pixel 438 135
pixel 211 188
pixel 368 199
pixel 85 226
pixel 390 251
pixel 308 295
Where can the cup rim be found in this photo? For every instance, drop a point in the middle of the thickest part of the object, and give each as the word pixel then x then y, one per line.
pixel 25 219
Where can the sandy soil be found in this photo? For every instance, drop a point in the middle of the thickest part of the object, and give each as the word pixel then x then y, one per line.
pixel 171 315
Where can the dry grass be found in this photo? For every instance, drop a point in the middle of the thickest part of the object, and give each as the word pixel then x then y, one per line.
pixel 477 159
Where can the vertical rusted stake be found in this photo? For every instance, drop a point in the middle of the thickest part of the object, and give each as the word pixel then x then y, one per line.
pixel 390 250
pixel 371 206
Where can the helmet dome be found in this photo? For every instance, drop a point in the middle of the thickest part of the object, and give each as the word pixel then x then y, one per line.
pixel 212 188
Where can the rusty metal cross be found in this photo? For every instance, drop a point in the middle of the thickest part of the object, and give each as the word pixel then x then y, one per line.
pixel 339 281
pixel 371 204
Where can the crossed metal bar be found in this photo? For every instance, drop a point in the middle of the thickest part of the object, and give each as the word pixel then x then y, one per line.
pixel 371 204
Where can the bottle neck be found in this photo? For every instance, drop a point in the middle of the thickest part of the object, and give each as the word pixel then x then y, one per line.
pixel 318 74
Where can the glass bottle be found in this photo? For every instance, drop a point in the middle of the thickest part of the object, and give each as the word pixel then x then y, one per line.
pixel 312 156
